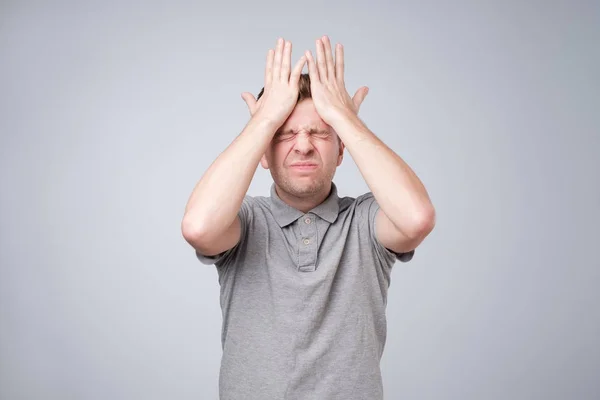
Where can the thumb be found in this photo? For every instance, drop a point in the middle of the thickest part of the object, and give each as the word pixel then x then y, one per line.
pixel 359 96
pixel 250 101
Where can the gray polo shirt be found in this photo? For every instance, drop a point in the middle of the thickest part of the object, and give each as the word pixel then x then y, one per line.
pixel 303 298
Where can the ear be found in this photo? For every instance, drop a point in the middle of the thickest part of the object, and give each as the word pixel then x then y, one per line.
pixel 341 152
pixel 263 162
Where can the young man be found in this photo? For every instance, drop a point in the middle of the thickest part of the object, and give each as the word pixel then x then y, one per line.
pixel 304 273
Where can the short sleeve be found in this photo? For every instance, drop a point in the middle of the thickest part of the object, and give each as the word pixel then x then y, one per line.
pixel 245 215
pixel 370 206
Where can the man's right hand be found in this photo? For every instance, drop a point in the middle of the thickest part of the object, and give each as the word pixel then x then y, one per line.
pixel 281 86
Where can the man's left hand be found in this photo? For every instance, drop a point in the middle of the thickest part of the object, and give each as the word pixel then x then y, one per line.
pixel 329 94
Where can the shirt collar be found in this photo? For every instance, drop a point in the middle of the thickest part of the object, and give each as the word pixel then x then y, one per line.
pixel 286 214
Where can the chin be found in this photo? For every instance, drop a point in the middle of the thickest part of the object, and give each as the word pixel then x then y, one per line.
pixel 302 189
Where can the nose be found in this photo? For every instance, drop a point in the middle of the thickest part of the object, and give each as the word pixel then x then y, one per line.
pixel 303 144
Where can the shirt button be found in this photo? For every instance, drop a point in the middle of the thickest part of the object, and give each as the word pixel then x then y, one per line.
pixel 307 220
pixel 306 241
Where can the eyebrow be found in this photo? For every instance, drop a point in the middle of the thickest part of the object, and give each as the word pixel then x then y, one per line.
pixel 311 130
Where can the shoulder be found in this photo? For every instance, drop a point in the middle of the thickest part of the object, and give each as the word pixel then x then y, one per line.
pixel 357 208
pixel 361 205
pixel 252 205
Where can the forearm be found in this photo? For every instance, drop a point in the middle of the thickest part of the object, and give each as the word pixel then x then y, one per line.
pixel 217 197
pixel 396 187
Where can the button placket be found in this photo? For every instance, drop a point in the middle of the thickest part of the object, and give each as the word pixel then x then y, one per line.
pixel 308 246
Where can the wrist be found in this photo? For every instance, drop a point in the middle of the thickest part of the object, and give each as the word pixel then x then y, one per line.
pixel 341 119
pixel 264 123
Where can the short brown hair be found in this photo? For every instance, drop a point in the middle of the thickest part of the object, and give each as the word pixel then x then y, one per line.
pixel 303 88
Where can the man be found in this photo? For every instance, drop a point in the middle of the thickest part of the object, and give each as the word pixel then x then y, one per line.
pixel 304 273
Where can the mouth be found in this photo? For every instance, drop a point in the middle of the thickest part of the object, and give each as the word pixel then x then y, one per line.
pixel 304 166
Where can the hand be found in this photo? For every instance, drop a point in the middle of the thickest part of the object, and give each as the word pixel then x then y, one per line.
pixel 281 86
pixel 330 97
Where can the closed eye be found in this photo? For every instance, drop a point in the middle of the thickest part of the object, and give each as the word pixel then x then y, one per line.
pixel 287 135
pixel 319 133
pixel 284 135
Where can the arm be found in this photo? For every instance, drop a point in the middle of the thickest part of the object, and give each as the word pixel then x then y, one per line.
pixel 210 222
pixel 406 214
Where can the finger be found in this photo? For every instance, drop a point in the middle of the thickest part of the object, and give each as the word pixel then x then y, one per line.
pixel 339 64
pixel 321 61
pixel 313 72
pixel 359 96
pixel 297 71
pixel 269 68
pixel 328 57
pixel 277 60
pixel 250 101
pixel 286 62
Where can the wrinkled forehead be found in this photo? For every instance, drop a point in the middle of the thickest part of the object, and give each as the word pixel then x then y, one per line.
pixel 304 117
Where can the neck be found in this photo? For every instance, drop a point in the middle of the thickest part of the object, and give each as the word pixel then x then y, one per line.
pixel 304 204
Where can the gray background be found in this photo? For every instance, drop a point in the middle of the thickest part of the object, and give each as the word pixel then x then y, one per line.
pixel 110 113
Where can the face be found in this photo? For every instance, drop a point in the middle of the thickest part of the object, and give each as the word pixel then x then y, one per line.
pixel 304 153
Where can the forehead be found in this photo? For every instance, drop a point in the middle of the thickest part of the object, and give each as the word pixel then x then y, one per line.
pixel 304 116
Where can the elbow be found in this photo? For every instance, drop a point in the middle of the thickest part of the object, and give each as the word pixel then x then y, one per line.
pixel 192 229
pixel 423 223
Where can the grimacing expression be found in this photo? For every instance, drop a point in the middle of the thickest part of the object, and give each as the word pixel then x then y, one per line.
pixel 305 139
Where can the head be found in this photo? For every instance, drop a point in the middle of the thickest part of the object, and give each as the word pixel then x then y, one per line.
pixel 303 138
